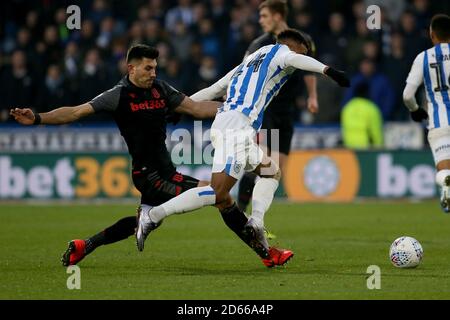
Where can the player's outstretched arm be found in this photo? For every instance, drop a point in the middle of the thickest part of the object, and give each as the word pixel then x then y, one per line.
pixel 303 62
pixel 61 115
pixel 198 109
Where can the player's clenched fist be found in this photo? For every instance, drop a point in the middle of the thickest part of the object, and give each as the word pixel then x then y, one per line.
pixel 23 116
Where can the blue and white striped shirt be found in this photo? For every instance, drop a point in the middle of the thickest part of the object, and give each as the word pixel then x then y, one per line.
pixel 257 80
pixel 432 67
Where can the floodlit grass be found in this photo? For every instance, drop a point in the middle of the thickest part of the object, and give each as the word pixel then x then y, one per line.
pixel 195 256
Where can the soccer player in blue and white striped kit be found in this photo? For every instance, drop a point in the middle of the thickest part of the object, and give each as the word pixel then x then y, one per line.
pixel 249 87
pixel 432 68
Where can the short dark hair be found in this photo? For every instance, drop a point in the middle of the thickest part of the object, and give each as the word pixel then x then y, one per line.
pixel 140 51
pixel 293 35
pixel 276 6
pixel 440 25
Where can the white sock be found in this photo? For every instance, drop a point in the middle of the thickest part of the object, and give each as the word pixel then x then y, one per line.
pixel 440 177
pixel 189 200
pixel 262 198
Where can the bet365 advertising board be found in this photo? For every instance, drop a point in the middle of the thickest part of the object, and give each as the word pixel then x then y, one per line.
pixel 321 175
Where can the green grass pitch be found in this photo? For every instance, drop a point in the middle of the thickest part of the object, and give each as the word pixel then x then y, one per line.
pixel 194 256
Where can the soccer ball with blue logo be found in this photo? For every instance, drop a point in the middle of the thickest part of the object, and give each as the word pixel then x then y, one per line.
pixel 406 252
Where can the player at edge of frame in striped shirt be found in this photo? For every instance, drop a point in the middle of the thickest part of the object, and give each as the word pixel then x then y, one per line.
pixel 432 68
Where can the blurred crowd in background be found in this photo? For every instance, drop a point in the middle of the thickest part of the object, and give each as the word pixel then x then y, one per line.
pixel 44 65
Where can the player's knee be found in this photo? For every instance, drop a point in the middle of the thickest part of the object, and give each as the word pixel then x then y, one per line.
pixel 271 171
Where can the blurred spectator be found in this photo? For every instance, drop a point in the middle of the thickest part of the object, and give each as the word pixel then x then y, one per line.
pixel 208 39
pixel 220 16
pixel 354 51
pixel 60 20
pixel 182 13
pixel 304 21
pixel 94 76
pixel 335 42
pixel 136 33
pixel 248 34
pixel 371 50
pixel 157 10
pixel 361 121
pixel 181 40
pixel 421 9
pixel 23 41
pixel 72 60
pixel 52 44
pixel 106 33
pixel 99 11
pixel 380 88
pixel 18 85
pixel 396 69
pixel 153 33
pixel 144 14
pixel 53 92
pixel 87 35
pixel 414 42
pixel 207 74
pixel 174 75
pixel 385 32
pixel 118 53
pixel 328 97
pixel 234 32
pixel 32 23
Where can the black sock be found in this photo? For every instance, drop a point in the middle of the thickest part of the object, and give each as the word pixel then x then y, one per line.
pixel 236 219
pixel 121 230
pixel 246 186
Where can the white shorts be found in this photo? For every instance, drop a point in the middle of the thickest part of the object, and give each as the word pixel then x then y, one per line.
pixel 439 140
pixel 235 149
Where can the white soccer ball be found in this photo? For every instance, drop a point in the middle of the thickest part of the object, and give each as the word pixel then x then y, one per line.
pixel 406 252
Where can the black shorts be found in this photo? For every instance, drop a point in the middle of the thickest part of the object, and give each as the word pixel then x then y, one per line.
pixel 156 190
pixel 285 124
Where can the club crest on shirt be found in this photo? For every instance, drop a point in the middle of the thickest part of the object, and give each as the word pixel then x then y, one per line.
pixel 155 94
pixel 237 167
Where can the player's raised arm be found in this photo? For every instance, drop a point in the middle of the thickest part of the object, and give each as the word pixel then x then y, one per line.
pixel 300 61
pixel 61 115
pixel 295 57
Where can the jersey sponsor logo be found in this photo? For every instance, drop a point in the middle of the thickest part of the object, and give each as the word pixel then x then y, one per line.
pixel 440 148
pixel 148 105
